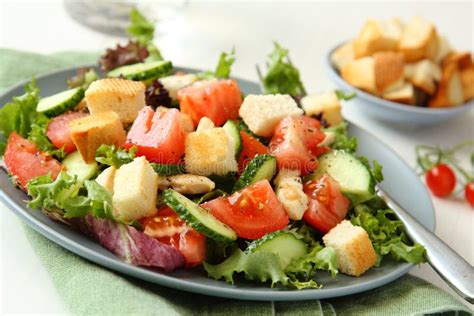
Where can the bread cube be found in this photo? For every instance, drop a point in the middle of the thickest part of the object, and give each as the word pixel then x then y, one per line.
pixel 377 35
pixel 462 59
pixel 419 40
pixel 125 97
pixel 405 94
pixel 135 190
pixel 326 103
pixel 389 71
pixel 262 113
pixel 360 73
pixel 343 55
pixel 354 250
pixel 209 151
pixel 177 82
pixel 91 131
pixel 423 75
pixel 443 48
pixel 289 191
pixel 467 82
pixel 106 179
pixel 450 90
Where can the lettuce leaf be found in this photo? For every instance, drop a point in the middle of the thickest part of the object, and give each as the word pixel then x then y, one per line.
pixel 38 136
pixel 113 156
pixel 223 68
pixel 342 140
pixel 387 233
pixel 375 169
pixel 318 258
pixel 19 114
pixel 142 30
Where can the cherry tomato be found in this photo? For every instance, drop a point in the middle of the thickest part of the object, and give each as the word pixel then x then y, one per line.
pixel 469 193
pixel 441 180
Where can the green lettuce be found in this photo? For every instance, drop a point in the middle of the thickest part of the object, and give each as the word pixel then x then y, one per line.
pixel 282 77
pixel 38 136
pixel 342 141
pixel 386 232
pixel 19 114
pixel 142 30
pixel 223 68
pixel 318 258
pixel 341 95
pixel 113 156
pixel 375 169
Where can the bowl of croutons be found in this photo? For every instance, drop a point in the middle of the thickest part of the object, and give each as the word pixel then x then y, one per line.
pixel 404 72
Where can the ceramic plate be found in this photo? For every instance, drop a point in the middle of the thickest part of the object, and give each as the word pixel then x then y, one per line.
pixel 401 183
pixel 392 111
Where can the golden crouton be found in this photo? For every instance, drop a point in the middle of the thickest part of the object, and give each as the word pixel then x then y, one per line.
pixel 91 131
pixel 106 178
pixel 450 90
pixel 326 103
pixel 419 40
pixel 389 71
pixel 467 81
pixel 360 73
pixel 405 94
pixel 354 250
pixel 125 97
pixel 424 75
pixel 462 59
pixel 343 55
pixel 376 36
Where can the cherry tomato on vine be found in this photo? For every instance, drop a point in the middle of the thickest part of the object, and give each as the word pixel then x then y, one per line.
pixel 441 180
pixel 469 193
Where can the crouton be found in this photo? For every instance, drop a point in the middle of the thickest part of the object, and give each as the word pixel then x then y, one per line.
pixel 462 59
pixel 449 91
pixel 467 82
pixel 342 55
pixel 442 50
pixel 326 103
pixel 209 151
pixel 262 113
pixel 389 71
pixel 289 191
pixel 405 94
pixel 424 75
pixel 376 36
pixel 135 190
pixel 354 250
pixel 419 40
pixel 191 184
pixel 106 179
pixel 360 73
pixel 125 97
pixel 177 82
pixel 91 131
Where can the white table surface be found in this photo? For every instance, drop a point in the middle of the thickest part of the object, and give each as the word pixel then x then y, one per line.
pixel 195 40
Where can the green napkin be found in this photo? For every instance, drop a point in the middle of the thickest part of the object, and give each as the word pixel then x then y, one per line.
pixel 89 289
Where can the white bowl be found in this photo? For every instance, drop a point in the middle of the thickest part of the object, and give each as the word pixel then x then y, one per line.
pixel 392 111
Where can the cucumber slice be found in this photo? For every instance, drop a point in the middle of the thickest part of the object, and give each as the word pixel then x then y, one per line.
pixel 259 168
pixel 233 132
pixel 167 170
pixel 143 71
pixel 282 243
pixel 61 102
pixel 198 218
pixel 76 166
pixel 355 179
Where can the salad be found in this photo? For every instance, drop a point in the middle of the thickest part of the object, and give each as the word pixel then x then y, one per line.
pixel 178 170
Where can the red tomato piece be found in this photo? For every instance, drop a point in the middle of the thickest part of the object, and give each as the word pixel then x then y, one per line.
pixel 327 205
pixel 251 212
pixel 469 193
pixel 295 143
pixel 25 162
pixel 159 136
pixel 168 228
pixel 218 100
pixel 441 180
pixel 58 130
pixel 250 148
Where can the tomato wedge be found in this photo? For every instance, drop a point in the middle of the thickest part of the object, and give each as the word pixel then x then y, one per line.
pixel 327 205
pixel 250 148
pixel 25 162
pixel 159 136
pixel 218 100
pixel 252 212
pixel 295 143
pixel 58 130
pixel 168 228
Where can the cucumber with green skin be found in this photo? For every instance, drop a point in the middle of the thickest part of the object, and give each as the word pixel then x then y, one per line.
pixel 143 71
pixel 198 218
pixel 282 243
pixel 60 102
pixel 76 166
pixel 233 132
pixel 354 178
pixel 259 168
pixel 168 170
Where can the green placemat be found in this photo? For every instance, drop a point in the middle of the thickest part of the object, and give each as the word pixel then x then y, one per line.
pixel 88 289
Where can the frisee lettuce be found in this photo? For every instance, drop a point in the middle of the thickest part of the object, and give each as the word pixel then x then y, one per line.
pixel 342 141
pixel 375 169
pixel 19 114
pixel 113 156
pixel 386 232
pixel 38 136
pixel 282 77
pixel 142 30
pixel 318 258
pixel 223 68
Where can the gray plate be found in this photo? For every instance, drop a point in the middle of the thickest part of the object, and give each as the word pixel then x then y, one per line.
pixel 401 183
pixel 393 112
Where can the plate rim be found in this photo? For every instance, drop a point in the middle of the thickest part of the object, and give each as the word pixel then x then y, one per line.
pixel 147 275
